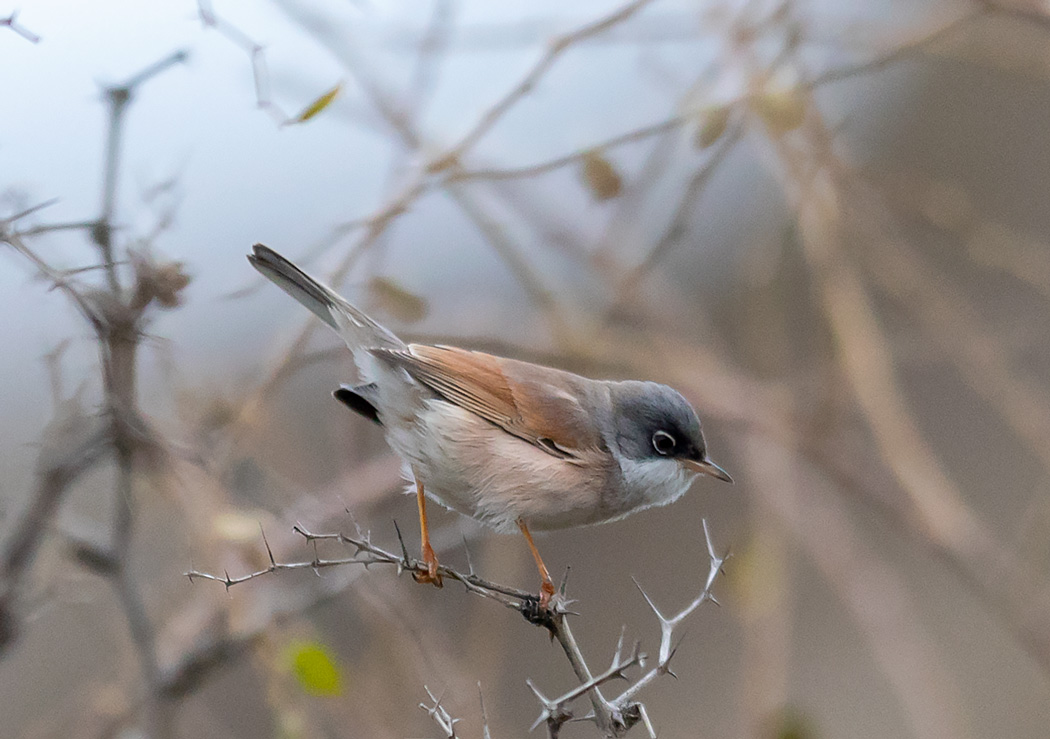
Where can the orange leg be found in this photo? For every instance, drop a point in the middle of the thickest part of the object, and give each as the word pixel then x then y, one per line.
pixel 429 558
pixel 546 586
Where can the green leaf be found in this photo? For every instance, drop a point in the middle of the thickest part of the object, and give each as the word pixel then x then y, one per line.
pixel 317 105
pixel 315 668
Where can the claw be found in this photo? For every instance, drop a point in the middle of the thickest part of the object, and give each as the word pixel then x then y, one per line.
pixel 546 593
pixel 431 576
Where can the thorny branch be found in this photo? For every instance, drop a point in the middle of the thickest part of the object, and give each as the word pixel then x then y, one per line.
pixel 367 554
pixel 614 718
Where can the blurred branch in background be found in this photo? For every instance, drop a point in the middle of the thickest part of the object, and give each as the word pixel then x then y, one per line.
pixel 811 377
pixel 11 21
pixel 78 441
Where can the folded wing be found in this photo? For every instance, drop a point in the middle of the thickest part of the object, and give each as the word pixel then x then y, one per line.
pixel 540 405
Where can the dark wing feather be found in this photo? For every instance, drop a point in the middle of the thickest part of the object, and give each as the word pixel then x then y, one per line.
pixel 360 399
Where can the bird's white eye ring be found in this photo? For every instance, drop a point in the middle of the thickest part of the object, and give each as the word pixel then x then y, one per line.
pixel 664 443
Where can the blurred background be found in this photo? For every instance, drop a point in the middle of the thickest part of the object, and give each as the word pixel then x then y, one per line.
pixel 823 222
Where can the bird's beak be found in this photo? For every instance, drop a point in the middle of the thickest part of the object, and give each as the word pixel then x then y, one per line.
pixel 707 467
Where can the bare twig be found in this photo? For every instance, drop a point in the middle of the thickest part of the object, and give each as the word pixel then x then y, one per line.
pixel 532 170
pixel 679 224
pixel 11 22
pixel 432 46
pixel 80 448
pixel 87 308
pixel 485 733
pixel 900 51
pixel 118 98
pixel 256 56
pixel 962 333
pixel 555 49
pixel 510 254
pixel 1032 15
pixel 440 715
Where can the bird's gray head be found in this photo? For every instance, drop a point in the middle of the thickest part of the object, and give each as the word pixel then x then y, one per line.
pixel 654 422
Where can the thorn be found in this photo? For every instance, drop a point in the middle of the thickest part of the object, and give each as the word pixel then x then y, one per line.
pixel 539 696
pixel 357 525
pixel 484 714
pixel 707 538
pixel 466 550
pixel 561 607
pixel 645 720
pixel 649 601
pixel 543 717
pixel 273 562
pixel 404 550
pixel 619 644
pixel 564 581
pixel 636 654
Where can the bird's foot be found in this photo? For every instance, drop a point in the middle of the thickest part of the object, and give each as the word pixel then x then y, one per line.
pixel 430 560
pixel 546 593
pixel 543 609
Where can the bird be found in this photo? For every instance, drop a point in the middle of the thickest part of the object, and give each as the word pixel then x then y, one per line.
pixel 512 444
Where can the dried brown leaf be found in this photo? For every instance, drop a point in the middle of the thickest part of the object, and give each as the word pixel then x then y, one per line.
pixel 781 110
pixel 601 176
pixel 395 300
pixel 713 123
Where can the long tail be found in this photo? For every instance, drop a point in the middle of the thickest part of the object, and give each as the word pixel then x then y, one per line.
pixel 356 328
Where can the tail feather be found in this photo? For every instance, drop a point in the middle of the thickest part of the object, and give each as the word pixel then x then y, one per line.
pixel 357 329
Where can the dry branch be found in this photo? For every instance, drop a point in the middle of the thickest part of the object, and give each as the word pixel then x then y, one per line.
pixel 11 21
pixel 613 718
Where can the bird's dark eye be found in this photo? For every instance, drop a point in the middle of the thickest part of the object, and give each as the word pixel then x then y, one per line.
pixel 664 443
